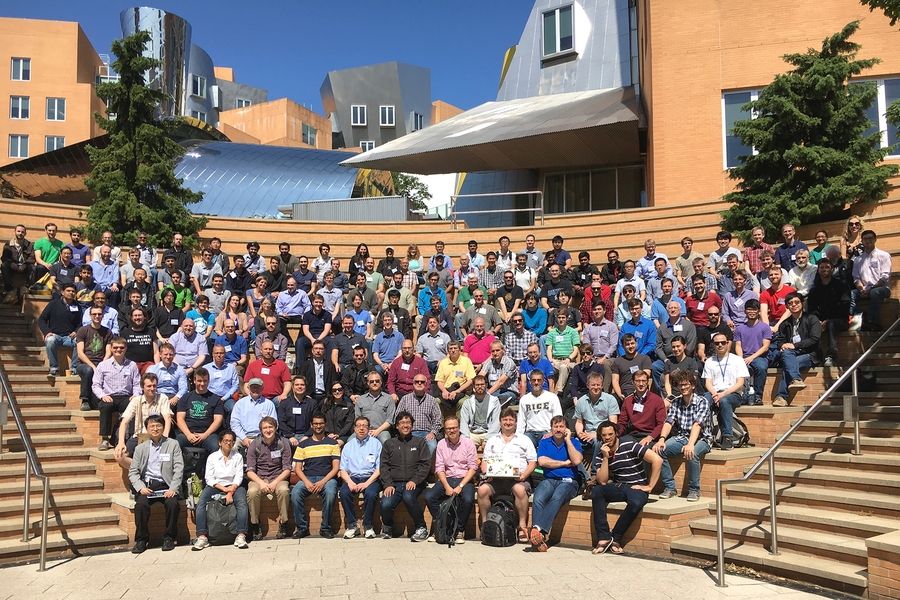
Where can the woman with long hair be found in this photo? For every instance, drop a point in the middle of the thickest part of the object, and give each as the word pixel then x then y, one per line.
pixel 168 315
pixel 256 294
pixel 851 238
pixel 338 410
pixel 416 264
pixel 233 311
pixel 358 261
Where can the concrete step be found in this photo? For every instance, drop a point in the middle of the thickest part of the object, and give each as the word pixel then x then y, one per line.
pixel 869 462
pixel 58 484
pixel 22 370
pixel 34 390
pixel 79 541
pixel 844 442
pixel 36 377
pixel 882 481
pixel 870 427
pixel 87 500
pixel 20 349
pixel 873 411
pixel 846 501
pixel 72 520
pixel 13 442
pixel 47 414
pixel 38 426
pixel 47 456
pixel 848 578
pixel 862 526
pixel 40 401
pixel 16 472
pixel 805 541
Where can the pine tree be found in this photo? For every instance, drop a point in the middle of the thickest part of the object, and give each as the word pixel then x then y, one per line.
pixel 811 155
pixel 133 178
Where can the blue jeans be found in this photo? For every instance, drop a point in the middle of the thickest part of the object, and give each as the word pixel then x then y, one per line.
pixel 876 297
pixel 436 494
pixel 602 495
pixel 758 367
pixel 409 498
pixel 432 444
pixel 298 498
pixel 674 446
pixel 370 499
pixel 210 444
pixel 53 343
pixel 549 497
pixel 507 398
pixel 535 436
pixel 656 371
pixel 725 408
pixel 240 503
pixel 791 363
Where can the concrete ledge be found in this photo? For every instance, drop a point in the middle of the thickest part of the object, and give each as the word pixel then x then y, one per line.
pixel 884 566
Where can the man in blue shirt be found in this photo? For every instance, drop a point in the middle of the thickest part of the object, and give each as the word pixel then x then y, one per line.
pixel 360 469
pixel 386 346
pixel 223 378
pixel 786 254
pixel 106 275
pixel 535 361
pixel 560 456
pixel 641 328
pixel 235 345
pixel 432 290
pixel 249 411
pixel 170 375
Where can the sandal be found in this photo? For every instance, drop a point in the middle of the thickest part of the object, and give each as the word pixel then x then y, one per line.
pixel 616 548
pixel 602 546
pixel 537 540
pixel 523 536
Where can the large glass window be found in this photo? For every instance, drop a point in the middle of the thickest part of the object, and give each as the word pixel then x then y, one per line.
pixel 20 69
pixel 199 115
pixel 554 193
pixel 733 112
pixel 578 192
pixel 871 110
pixel 56 109
pixel 386 116
pixel 891 95
pixel 19 107
pixel 632 193
pixel 358 115
pixel 601 189
pixel 557 30
pixel 309 134
pixel 18 146
pixel 54 142
pixel 366 145
pixel 198 86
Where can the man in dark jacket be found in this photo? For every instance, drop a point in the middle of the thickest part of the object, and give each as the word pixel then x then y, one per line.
pixel 829 300
pixel 59 322
pixel 17 259
pixel 295 412
pixel 405 464
pixel 319 373
pixel 797 343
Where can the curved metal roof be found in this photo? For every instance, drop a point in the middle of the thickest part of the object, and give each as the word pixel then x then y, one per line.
pixel 248 180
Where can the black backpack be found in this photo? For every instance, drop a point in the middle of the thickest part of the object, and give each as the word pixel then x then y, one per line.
pixel 445 524
pixel 222 523
pixel 499 529
pixel 740 436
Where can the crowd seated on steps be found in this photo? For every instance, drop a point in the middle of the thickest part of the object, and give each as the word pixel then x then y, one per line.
pixel 217 347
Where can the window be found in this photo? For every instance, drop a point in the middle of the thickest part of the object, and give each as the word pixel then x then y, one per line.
pixel 366 145
pixel 418 121
pixel 18 107
pixel 891 95
pixel 600 189
pixel 558 31
pixel 198 86
pixel 21 69
pixel 386 116
pixel 18 146
pixel 242 103
pixel 358 115
pixel 199 115
pixel 56 109
pixel 54 142
pixel 309 134
pixel 732 112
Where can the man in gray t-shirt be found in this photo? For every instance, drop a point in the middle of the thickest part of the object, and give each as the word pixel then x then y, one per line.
pixel 592 409
pixel 377 406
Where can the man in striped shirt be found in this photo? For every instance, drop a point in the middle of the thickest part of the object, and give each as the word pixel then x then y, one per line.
pixel 620 478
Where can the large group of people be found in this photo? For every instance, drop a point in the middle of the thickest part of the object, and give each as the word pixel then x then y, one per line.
pixel 470 371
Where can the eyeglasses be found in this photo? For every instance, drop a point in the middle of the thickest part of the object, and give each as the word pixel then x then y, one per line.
pixel 226 441
pixel 855 224
pixel 419 381
pixel 713 314
pixel 725 343
pixel 337 390
pixel 371 381
pixel 795 301
pixel 518 321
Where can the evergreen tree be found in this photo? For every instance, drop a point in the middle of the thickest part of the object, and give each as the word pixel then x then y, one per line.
pixel 811 156
pixel 133 178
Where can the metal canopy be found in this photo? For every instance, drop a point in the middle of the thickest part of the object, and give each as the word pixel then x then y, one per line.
pixel 559 130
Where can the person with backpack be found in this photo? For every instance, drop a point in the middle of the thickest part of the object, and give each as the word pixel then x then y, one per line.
pixel 269 470
pixel 224 474
pixel 507 462
pixel 455 465
pixel 725 376
pixel 405 465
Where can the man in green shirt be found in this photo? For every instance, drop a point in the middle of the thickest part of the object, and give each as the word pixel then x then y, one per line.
pixel 562 346
pixel 46 251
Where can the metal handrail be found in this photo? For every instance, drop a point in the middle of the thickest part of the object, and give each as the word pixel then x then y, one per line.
pixel 538 209
pixel 769 455
pixel 32 466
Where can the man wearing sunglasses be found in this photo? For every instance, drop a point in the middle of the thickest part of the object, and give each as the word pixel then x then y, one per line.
pixel 724 375
pixel 797 343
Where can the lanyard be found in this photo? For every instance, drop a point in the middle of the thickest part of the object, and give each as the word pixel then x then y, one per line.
pixel 724 369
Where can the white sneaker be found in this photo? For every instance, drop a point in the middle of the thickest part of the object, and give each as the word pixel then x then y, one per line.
pixel 240 541
pixel 796 385
pixel 370 534
pixel 461 537
pixel 430 538
pixel 350 533
pixel 200 543
pixel 856 322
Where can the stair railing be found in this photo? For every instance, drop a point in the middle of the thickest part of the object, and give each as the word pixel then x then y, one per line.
pixel 9 405
pixel 851 413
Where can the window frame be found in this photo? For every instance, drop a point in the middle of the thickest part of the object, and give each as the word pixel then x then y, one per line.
pixel 242 103
pixel 55 100
pixel 418 121
pixel 201 89
pixel 22 60
pixel 387 110
pixel 754 95
pixel 199 115
pixel 47 139
pixel 305 129
pixel 359 115
pixel 366 145
pixel 558 52
pixel 27 108
pixel 21 137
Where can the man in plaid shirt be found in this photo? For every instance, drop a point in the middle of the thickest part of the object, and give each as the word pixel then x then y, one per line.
pixel 518 340
pixel 689 417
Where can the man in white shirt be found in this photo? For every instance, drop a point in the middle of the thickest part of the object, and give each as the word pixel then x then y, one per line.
pixel 871 280
pixel 536 409
pixel 513 451
pixel 725 374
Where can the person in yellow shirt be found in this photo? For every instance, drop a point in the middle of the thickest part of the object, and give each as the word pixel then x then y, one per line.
pixel 454 378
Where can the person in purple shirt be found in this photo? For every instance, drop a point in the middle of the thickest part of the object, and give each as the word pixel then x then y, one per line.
pixel 751 342
pixel 735 301
pixel 81 253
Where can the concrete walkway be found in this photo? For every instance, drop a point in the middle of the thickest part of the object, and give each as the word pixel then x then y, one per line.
pixel 373 570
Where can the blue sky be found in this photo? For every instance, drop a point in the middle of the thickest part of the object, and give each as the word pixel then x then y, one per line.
pixel 288 46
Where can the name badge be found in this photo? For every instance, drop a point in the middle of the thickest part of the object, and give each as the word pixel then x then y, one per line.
pixel 63 271
pixel 227 348
pixel 73 308
pixel 443 323
pixel 638 334
pixel 276 346
pixel 217 374
pixel 739 302
pixel 482 311
pixel 638 408
pixel 700 305
pixel 204 272
pixel 173 321
pixel 633 369
pixel 780 301
pixel 560 338
pixel 796 339
pixel 677 327
pixel 360 323
pixel 793 257
pixel 275 454
pixel 459 373
pixel 404 367
pixel 439 342
pixel 165 457
pixel 232 275
pixel 297 410
pixel 370 458
pixel 265 370
pixel 567 480
pixel 604 334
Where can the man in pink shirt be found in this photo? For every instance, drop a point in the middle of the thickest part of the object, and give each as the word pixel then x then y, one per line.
pixel 455 464
pixel 477 345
